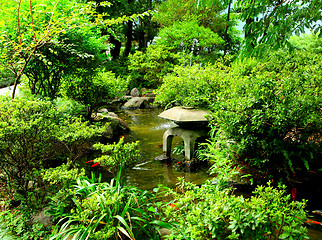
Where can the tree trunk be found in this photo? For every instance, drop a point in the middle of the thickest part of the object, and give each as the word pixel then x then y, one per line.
pixel 129 37
pixel 249 32
pixel 226 31
pixel 115 51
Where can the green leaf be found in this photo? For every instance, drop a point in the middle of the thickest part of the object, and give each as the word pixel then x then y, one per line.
pixel 284 235
pixel 162 224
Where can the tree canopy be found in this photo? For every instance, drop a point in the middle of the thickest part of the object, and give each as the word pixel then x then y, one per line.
pixel 271 23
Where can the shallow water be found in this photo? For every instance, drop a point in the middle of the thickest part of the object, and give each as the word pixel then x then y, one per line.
pixel 148 129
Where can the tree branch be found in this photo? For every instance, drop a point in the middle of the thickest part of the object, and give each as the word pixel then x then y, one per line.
pixel 32 22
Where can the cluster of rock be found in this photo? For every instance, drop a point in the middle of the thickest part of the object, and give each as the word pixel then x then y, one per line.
pixel 139 99
pixel 116 127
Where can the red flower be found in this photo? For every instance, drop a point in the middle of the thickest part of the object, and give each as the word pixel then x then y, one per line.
pixel 122 136
pixel 294 193
pixel 173 206
pixel 89 161
pixel 95 164
pixel 178 162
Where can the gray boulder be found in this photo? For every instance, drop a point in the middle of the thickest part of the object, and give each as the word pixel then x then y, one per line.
pixel 135 92
pixel 117 126
pixel 43 218
pixel 138 102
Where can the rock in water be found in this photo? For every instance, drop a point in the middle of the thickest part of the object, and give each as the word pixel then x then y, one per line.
pixel 135 92
pixel 138 102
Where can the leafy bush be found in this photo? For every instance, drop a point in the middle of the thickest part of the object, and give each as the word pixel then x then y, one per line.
pixel 68 107
pixel 32 135
pixel 119 66
pixel 117 155
pixel 212 211
pixel 206 213
pixel 73 50
pixel 190 36
pixel 27 130
pixel 272 111
pixel 102 210
pixel 149 68
pixel 93 90
pixel 192 86
pixel 309 42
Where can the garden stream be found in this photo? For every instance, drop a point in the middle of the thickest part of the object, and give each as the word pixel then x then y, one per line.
pixel 148 129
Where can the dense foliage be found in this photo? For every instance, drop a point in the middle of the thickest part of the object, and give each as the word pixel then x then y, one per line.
pixel 55 61
pixel 269 24
pixel 97 210
pixel 193 86
pixel 274 112
pixel 149 68
pixel 92 89
pixel 26 31
pixel 75 56
pixel 32 134
pixel 206 213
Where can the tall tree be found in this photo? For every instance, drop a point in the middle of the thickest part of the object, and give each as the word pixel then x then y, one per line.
pixel 134 30
pixel 27 27
pixel 269 24
pixel 197 20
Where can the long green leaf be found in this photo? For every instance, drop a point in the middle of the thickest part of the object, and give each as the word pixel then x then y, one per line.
pixel 126 207
pixel 125 232
pixel 129 230
pixel 162 224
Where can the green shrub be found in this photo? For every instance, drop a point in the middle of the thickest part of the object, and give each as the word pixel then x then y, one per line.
pixel 208 213
pixel 191 37
pixel 212 211
pixel 27 131
pixel 272 110
pixel 102 210
pixel 32 134
pixel 93 90
pixel 308 42
pixel 118 66
pixel 55 60
pixel 193 86
pixel 149 68
pixel 117 155
pixel 68 107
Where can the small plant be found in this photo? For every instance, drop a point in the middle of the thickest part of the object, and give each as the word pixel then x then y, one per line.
pixel 178 149
pixel 117 154
pixel 101 210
